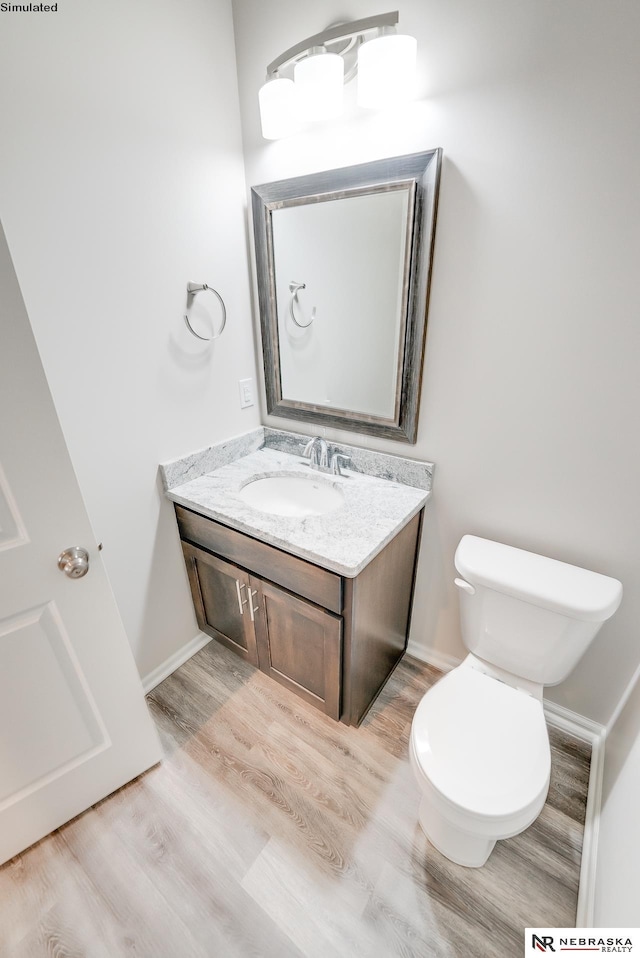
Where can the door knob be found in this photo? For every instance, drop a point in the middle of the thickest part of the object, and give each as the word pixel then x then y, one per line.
pixel 74 562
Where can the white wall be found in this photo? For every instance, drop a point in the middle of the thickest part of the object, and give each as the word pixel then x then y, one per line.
pixel 532 387
pixel 121 180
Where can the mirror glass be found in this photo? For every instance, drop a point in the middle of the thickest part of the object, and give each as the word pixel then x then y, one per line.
pixel 344 260
pixel 352 268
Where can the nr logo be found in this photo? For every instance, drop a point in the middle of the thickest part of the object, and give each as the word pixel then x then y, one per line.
pixel 544 943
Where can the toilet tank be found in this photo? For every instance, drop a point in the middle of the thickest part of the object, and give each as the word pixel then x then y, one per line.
pixel 528 614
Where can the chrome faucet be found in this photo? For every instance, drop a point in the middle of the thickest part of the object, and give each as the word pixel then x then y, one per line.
pixel 335 463
pixel 317 451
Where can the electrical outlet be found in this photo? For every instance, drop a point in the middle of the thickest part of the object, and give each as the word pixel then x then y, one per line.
pixel 246 393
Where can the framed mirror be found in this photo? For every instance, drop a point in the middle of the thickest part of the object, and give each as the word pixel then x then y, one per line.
pixel 344 265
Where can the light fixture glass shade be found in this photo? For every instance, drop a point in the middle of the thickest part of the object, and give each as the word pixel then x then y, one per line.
pixel 319 81
pixel 277 100
pixel 386 70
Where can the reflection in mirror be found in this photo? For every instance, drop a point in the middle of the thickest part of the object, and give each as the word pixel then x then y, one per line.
pixel 343 271
pixel 352 265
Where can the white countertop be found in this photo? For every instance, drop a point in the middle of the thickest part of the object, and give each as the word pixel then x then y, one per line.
pixel 344 540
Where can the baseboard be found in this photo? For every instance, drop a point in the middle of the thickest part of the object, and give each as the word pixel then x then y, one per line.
pixel 596 735
pixel 439 660
pixel 587 731
pixel 572 722
pixel 174 661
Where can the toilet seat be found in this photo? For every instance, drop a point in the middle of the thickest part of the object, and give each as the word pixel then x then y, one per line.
pixel 482 750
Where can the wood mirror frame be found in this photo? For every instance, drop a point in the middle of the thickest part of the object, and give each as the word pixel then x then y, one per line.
pixel 420 173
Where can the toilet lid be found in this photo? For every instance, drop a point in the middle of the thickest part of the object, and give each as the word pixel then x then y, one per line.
pixel 482 744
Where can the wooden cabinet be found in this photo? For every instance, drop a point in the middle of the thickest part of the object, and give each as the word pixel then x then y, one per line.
pixel 332 640
pixel 220 594
pixel 295 642
pixel 300 646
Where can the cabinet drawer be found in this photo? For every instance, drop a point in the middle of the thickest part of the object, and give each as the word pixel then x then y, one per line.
pixel 299 576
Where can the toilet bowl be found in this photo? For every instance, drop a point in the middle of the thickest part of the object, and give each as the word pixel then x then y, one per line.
pixel 480 751
pixel 479 746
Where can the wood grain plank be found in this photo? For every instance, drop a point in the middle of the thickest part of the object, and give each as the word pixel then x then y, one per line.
pixel 182 859
pixel 48 907
pixel 287 887
pixel 271 830
pixel 140 920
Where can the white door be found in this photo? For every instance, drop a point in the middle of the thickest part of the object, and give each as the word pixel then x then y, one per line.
pixel 74 725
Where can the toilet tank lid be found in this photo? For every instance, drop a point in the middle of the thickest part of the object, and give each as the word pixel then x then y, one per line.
pixel 548 583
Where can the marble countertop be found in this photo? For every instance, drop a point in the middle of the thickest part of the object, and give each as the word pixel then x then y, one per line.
pixel 344 540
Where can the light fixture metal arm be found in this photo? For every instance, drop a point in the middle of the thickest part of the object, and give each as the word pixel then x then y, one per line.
pixel 342 31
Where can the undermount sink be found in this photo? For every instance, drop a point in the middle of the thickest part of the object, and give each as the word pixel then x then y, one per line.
pixel 292 496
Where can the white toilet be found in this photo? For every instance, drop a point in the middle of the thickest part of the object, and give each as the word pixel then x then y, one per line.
pixel 479 745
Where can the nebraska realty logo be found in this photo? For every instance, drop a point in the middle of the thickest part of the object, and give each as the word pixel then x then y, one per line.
pixel 606 941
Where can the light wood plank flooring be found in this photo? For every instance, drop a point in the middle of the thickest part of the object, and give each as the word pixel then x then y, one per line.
pixel 270 830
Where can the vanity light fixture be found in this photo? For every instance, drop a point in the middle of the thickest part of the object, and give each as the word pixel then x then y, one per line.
pixel 319 84
pixel 384 60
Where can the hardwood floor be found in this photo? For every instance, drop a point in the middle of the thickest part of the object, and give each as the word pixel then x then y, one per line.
pixel 270 830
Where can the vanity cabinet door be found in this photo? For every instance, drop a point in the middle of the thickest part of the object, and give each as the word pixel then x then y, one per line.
pixel 220 594
pixel 299 645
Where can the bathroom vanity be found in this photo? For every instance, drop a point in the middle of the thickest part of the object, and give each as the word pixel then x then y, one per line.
pixel 331 639
pixel 322 603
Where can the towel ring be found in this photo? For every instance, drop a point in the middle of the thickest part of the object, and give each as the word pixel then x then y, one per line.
pixel 293 289
pixel 192 289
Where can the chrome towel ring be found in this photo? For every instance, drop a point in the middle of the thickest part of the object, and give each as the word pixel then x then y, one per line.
pixel 293 289
pixel 192 290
